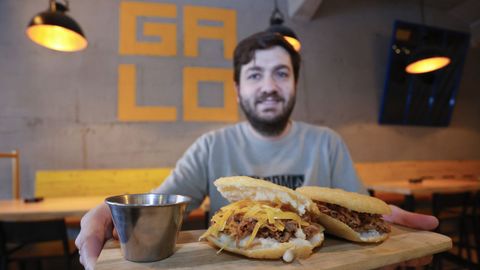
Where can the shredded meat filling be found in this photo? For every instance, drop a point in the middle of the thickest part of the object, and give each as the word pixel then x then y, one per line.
pixel 239 228
pixel 359 222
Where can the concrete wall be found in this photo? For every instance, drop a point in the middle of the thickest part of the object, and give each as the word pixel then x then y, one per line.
pixel 60 110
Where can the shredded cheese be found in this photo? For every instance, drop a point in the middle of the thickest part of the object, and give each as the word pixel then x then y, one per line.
pixel 265 213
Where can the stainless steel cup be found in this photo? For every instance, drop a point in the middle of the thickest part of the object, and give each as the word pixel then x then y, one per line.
pixel 147 224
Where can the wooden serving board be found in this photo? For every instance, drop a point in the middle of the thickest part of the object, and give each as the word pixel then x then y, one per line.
pixel 403 244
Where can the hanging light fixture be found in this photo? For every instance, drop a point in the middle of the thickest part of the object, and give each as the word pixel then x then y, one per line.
pixel 276 26
pixel 55 30
pixel 426 59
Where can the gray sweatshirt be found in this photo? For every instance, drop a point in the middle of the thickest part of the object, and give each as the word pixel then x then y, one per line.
pixel 307 155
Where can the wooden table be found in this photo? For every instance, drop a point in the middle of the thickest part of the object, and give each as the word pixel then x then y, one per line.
pixel 425 187
pixel 48 208
pixel 403 244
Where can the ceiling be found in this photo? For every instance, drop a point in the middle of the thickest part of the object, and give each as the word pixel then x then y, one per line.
pixel 467 11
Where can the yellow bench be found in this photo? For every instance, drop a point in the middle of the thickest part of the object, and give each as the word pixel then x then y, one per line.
pixel 61 183
pixel 68 183
pixel 64 183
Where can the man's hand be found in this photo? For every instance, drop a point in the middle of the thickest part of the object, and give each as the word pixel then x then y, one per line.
pixel 96 228
pixel 415 221
pixel 410 219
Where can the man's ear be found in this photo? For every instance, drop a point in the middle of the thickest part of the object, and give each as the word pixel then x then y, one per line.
pixel 237 90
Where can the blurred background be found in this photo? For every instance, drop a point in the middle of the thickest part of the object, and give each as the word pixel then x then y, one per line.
pixel 61 109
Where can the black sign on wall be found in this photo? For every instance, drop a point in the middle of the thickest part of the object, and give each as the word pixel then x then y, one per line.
pixel 422 99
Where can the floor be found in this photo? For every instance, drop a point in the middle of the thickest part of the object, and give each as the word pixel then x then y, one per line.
pixel 53 264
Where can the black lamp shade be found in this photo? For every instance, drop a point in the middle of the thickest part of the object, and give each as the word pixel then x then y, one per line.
pixel 57 31
pixel 287 33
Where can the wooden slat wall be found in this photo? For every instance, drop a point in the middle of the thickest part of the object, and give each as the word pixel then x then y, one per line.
pixel 121 181
pixel 98 182
pixel 400 170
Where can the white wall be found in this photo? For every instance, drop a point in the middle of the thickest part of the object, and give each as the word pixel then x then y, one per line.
pixel 60 109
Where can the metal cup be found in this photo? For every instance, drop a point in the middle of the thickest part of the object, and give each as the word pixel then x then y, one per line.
pixel 147 224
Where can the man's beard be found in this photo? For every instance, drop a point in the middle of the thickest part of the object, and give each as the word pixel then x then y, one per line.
pixel 268 127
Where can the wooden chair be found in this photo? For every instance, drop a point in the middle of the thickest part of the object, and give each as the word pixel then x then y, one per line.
pixel 475 223
pixel 35 241
pixel 451 210
pixel 471 231
pixel 15 157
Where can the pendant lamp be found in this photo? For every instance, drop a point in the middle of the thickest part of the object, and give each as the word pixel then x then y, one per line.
pixel 426 58
pixel 55 30
pixel 276 26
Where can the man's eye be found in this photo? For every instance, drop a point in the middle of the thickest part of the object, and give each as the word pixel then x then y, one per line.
pixel 283 74
pixel 254 76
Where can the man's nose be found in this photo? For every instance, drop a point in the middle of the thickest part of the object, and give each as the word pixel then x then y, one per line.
pixel 269 85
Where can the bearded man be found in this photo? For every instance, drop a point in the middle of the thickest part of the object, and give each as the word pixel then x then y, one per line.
pixel 269 145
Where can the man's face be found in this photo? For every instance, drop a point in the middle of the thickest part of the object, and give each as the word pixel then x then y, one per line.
pixel 266 90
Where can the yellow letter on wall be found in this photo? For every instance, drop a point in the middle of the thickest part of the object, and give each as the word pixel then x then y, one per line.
pixel 167 32
pixel 227 32
pixel 127 102
pixel 191 111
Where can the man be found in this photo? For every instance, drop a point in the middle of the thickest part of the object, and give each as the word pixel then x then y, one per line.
pixel 269 145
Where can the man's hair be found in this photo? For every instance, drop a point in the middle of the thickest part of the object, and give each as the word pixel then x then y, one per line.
pixel 245 51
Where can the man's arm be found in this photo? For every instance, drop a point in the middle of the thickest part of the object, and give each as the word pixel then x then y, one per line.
pixel 188 178
pixel 343 174
pixel 96 228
